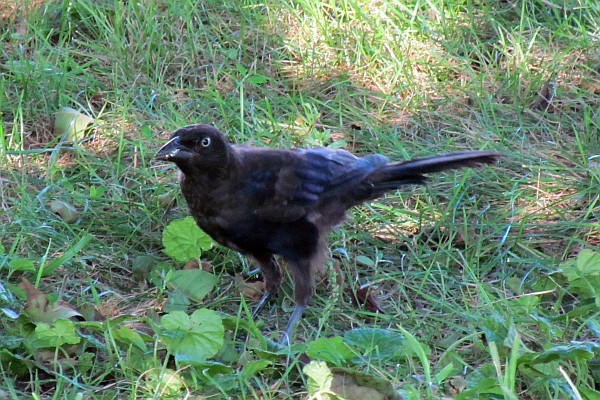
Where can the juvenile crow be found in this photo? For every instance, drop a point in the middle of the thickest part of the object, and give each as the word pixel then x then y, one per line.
pixel 264 202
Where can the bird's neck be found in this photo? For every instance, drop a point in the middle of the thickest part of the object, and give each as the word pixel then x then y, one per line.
pixel 224 170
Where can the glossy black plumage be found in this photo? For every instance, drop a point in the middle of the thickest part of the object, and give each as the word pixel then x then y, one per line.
pixel 265 202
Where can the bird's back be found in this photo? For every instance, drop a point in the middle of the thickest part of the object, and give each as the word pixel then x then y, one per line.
pixel 318 184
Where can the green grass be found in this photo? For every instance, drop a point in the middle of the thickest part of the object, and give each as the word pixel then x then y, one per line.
pixel 476 273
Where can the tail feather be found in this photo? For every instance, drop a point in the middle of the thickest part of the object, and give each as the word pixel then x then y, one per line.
pixel 395 174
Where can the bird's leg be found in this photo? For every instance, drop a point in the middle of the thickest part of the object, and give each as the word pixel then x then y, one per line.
pixel 272 276
pixel 302 273
pixel 261 303
pixel 292 322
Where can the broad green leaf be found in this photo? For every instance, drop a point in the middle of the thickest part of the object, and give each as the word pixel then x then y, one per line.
pixel 254 367
pixel 217 375
pixel 192 338
pixel 97 192
pixel 213 368
pixel 177 301
pixel 183 240
pixel 60 332
pixel 337 144
pixel 166 382
pixel 141 267
pixel 576 351
pixel 483 386
pixel 146 131
pixel 232 53
pixel 364 260
pixel 376 342
pixel 586 286
pixel 21 264
pixel 194 283
pixel 332 350
pixel 257 79
pixel 482 381
pixel 16 364
pixel 588 262
pixel 128 335
pixel 524 305
pixel 569 270
pixel 495 327
pixel 319 377
pixel 241 69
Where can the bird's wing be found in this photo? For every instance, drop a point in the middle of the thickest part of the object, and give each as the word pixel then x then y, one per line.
pixel 338 172
pixel 285 186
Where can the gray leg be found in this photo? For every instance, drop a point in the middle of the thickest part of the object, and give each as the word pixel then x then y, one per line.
pixel 272 275
pixel 261 303
pixel 302 274
pixel 291 325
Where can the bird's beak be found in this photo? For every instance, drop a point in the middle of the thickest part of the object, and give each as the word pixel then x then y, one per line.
pixel 170 150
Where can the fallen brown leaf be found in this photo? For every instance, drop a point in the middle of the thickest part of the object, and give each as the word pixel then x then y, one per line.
pixel 364 297
pixel 37 306
pixel 249 287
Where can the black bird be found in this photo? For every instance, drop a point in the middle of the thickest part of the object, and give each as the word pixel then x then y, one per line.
pixel 264 202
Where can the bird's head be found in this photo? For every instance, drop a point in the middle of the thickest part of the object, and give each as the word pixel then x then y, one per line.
pixel 195 148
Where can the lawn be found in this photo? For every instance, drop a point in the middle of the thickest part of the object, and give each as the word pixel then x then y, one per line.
pixel 484 283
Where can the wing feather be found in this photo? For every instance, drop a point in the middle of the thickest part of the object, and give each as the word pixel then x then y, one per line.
pixel 286 186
